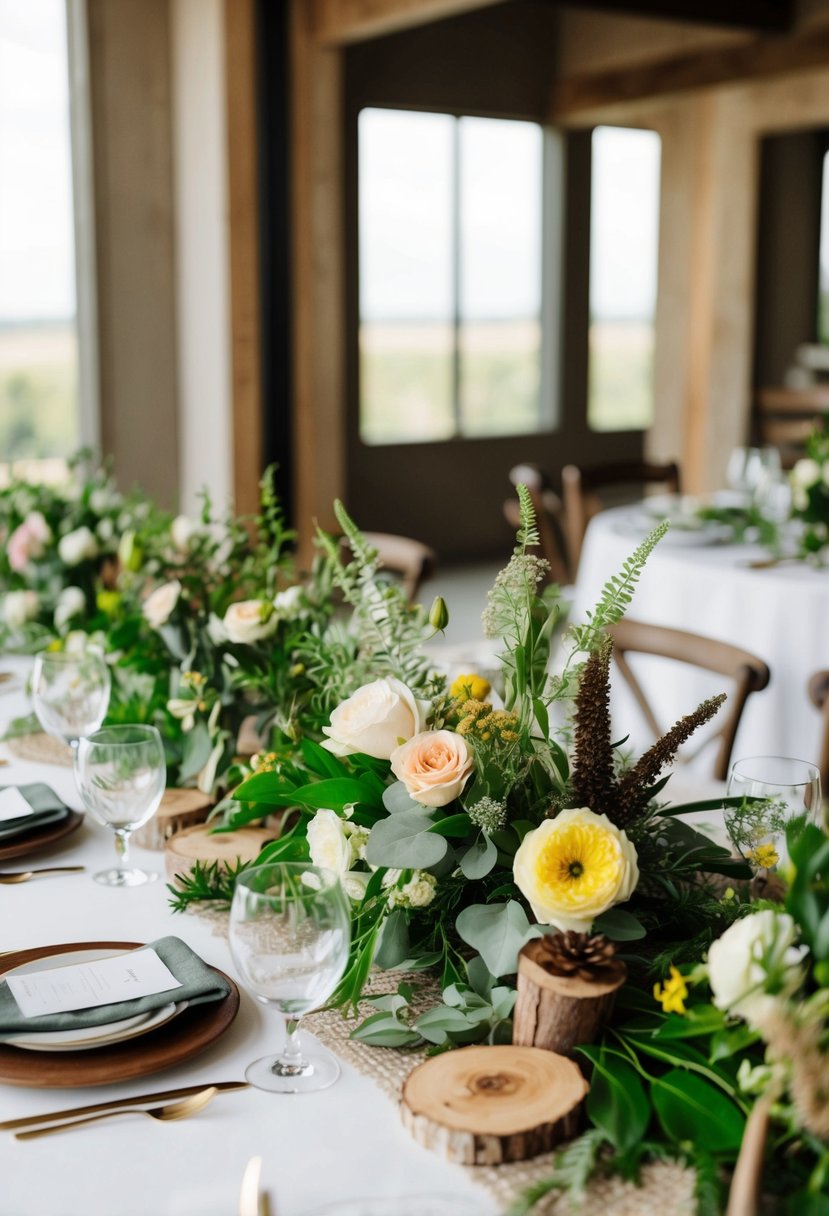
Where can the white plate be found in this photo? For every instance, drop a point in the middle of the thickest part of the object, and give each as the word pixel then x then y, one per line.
pixel 89 1037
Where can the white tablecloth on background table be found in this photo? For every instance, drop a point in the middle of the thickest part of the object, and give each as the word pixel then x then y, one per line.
pixel 781 614
pixel 346 1142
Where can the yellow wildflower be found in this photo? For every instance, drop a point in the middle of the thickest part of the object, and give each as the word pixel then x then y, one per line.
pixel 764 856
pixel 469 688
pixel 193 679
pixel 671 995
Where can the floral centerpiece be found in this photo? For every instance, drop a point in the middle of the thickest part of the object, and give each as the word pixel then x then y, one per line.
pixel 810 493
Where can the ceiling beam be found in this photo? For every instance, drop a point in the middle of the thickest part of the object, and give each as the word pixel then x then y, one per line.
pixel 759 58
pixel 339 22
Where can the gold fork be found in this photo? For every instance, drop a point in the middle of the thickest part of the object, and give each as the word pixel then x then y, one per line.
pixel 163 1114
pixel 13 876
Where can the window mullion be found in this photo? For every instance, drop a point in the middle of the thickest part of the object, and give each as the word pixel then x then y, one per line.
pixel 456 280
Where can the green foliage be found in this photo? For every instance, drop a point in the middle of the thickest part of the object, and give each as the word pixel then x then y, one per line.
pixel 210 881
pixel 617 593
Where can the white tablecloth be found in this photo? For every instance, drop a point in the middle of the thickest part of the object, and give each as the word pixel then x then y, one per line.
pixel 780 614
pixel 346 1142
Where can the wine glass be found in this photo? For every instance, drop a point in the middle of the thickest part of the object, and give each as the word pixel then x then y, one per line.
pixel 70 693
pixel 290 930
pixel 121 773
pixel 793 788
pixel 747 467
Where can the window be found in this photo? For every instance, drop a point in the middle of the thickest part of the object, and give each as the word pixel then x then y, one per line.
pixel 38 335
pixel 624 252
pixel 450 277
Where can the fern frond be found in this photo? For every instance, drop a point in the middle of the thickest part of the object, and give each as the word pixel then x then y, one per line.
pixel 527 536
pixel 617 593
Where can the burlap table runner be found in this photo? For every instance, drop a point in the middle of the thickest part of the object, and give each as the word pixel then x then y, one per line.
pixel 666 1190
pixel 40 748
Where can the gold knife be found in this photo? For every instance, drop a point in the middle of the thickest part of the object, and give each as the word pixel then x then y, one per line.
pixel 117 1103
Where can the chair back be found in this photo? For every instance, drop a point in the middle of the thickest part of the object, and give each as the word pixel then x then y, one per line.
pixel 581 489
pixel 549 516
pixel 819 693
pixel 747 673
pixel 410 559
pixel 784 418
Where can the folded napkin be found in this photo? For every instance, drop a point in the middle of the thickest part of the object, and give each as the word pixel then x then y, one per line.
pixel 46 806
pixel 199 983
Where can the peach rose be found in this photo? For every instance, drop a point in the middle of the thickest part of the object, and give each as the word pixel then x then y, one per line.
pixel 433 766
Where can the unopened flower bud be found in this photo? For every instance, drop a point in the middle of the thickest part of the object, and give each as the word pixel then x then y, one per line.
pixel 439 614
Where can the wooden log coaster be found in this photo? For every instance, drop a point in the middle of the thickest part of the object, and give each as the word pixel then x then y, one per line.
pixel 182 851
pixel 179 809
pixel 487 1105
pixel 559 1012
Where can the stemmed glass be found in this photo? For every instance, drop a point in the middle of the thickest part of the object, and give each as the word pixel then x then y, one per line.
pixel 70 693
pixel 121 773
pixel 748 467
pixel 794 788
pixel 290 930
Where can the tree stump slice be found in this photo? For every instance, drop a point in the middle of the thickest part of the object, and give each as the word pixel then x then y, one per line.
pixel 182 851
pixel 488 1105
pixel 560 1012
pixel 179 809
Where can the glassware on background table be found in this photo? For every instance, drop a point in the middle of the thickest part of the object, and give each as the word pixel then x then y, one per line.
pixel 794 785
pixel 70 693
pixel 290 931
pixel 121 773
pixel 747 467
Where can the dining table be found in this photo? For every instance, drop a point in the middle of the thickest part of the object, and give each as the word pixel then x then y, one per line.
pixel 318 1149
pixel 699 579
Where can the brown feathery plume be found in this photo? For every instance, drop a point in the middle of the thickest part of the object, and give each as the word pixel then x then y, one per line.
pixel 631 797
pixel 592 777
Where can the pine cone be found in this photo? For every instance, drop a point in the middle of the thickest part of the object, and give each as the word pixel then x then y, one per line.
pixel 576 954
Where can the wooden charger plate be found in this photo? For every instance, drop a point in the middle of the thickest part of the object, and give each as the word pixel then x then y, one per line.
pixel 40 838
pixel 186 1035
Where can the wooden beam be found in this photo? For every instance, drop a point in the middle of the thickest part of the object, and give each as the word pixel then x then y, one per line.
pixel 338 22
pixel 735 14
pixel 762 57
pixel 318 278
pixel 245 332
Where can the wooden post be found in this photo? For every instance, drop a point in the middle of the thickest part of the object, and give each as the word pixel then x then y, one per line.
pixel 559 1012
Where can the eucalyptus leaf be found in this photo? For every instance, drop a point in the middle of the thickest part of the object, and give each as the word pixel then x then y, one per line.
pixel 477 860
pixel 497 932
pixel 396 798
pixel 195 752
pixel 404 842
pixel 619 926
pixel 393 941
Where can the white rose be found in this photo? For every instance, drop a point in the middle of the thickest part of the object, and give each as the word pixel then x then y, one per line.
pixel 374 720
pixel 71 602
pixel 287 602
pixel 749 951
pixel 805 473
pixel 100 500
pixel 159 604
pixel 574 867
pixel 105 530
pixel 249 621
pixel 19 607
pixel 77 546
pixel 181 530
pixel 328 842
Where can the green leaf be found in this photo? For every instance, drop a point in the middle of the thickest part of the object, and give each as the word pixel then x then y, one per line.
pixel 319 760
pixel 691 1110
pixel 405 842
pixel 268 788
pixel 617 1102
pixel 619 926
pixel 336 793
pixel 497 932
pixel 393 942
pixel 453 825
pixel 384 1030
pixel 396 798
pixel 195 752
pixel 478 859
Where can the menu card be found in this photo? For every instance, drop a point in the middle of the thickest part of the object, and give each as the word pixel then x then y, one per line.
pixel 13 805
pixel 88 985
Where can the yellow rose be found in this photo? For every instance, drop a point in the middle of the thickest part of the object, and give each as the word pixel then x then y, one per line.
pixel 470 688
pixel 433 766
pixel 574 867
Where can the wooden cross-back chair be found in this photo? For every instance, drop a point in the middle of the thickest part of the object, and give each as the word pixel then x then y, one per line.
pixel 748 674
pixel 784 418
pixel 549 516
pixel 819 693
pixel 581 493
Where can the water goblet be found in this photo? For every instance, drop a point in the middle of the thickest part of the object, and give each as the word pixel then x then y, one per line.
pixel 792 788
pixel 290 930
pixel 121 773
pixel 70 693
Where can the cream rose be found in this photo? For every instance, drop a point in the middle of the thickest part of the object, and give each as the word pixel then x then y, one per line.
pixel 159 604
pixel 328 842
pixel 249 621
pixel 77 547
pixel 574 867
pixel 751 950
pixel 433 766
pixel 182 530
pixel 374 720
pixel 19 607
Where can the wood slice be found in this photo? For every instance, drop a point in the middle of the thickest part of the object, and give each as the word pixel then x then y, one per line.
pixel 182 851
pixel 179 809
pixel 487 1105
pixel 559 1012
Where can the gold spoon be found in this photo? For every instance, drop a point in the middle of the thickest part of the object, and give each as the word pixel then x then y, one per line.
pixel 11 876
pixel 163 1114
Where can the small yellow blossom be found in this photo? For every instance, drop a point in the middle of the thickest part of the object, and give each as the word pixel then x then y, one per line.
pixel 672 994
pixel 469 688
pixel 765 856
pixel 264 762
pixel 193 679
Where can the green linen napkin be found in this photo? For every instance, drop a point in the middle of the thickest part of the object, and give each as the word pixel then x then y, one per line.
pixel 46 806
pixel 199 983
